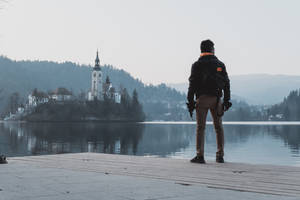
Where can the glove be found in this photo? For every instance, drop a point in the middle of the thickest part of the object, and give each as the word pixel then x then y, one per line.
pixel 227 105
pixel 191 106
pixel 3 159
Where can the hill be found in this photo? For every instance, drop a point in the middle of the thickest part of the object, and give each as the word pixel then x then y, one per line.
pixel 159 102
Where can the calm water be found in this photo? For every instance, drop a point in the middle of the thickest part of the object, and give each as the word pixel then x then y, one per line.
pixel 264 144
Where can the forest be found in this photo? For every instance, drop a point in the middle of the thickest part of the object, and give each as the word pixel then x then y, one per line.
pixel 288 109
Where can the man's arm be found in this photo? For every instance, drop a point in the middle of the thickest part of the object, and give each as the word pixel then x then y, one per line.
pixel 192 85
pixel 191 91
pixel 227 85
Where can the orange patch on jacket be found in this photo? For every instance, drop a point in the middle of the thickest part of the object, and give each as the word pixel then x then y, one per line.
pixel 206 54
pixel 219 69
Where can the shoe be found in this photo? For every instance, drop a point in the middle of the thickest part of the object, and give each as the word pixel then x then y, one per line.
pixel 198 159
pixel 219 159
pixel 3 160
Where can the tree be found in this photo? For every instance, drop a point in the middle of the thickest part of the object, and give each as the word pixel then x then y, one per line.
pixel 14 102
pixel 135 100
pixel 125 98
pixel 107 81
pixel 136 107
pixel 81 96
pixel 1 97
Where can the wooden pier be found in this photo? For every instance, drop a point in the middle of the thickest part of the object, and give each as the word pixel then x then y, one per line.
pixel 282 182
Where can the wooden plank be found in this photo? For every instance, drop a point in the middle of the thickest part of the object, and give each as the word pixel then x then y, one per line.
pixel 198 173
pixel 193 168
pixel 267 179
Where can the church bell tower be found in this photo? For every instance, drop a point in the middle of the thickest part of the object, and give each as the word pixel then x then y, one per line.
pixel 97 84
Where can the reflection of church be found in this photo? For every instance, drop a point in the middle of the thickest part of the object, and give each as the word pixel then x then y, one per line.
pixel 100 89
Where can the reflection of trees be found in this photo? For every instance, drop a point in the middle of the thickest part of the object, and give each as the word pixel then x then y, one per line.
pixel 12 139
pixel 43 138
pixel 127 138
pixel 165 139
pixel 240 133
pixel 289 134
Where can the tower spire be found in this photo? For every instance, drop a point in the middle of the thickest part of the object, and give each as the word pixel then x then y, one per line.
pixel 97 61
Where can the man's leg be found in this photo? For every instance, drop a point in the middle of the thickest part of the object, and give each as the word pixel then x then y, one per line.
pixel 219 131
pixel 201 113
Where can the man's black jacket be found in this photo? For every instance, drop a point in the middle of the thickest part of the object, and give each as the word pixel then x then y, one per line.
pixel 208 64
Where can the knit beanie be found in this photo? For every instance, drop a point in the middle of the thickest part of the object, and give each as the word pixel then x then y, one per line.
pixel 207 46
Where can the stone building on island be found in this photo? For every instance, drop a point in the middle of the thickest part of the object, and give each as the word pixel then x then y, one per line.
pixel 99 89
pixel 39 97
pixel 96 92
pixel 61 94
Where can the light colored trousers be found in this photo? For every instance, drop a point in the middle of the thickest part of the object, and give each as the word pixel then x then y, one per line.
pixel 205 103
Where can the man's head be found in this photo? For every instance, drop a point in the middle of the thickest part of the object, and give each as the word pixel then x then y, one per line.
pixel 207 46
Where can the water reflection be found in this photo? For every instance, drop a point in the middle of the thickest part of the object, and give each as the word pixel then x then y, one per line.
pixel 19 139
pixel 243 143
pixel 290 136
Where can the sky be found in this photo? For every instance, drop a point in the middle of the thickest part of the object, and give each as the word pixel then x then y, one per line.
pixel 156 41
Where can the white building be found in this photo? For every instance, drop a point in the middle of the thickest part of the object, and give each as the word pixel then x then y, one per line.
pixel 99 88
pixel 20 110
pixel 117 97
pixel 61 94
pixel 37 97
pixel 110 92
pixel 96 92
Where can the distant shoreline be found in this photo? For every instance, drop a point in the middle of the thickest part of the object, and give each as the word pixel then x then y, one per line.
pixel 164 122
pixel 228 122
pixel 75 121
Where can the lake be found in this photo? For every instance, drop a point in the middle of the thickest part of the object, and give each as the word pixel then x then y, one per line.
pixel 250 142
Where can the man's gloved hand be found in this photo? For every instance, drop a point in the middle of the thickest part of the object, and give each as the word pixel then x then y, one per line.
pixel 3 159
pixel 191 106
pixel 226 105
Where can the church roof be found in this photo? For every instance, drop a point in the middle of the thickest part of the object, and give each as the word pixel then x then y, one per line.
pixel 97 62
pixel 39 94
pixel 61 91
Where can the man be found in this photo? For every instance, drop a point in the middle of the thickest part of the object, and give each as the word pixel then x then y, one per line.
pixel 208 81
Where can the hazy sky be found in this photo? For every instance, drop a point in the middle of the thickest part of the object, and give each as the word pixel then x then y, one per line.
pixel 155 40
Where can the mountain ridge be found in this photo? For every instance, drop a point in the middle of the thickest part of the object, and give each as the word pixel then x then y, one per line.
pixel 261 89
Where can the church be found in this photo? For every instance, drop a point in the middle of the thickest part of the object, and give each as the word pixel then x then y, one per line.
pixel 100 89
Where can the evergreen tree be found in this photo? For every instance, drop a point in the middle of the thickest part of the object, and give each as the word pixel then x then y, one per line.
pixel 136 107
pixel 107 81
pixel 289 108
pixel 135 100
pixel 13 103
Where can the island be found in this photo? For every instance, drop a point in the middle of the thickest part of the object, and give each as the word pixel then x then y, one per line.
pixel 101 103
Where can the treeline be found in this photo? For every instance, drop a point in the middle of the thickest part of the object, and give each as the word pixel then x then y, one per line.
pixel 288 110
pixel 129 109
pixel 241 111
